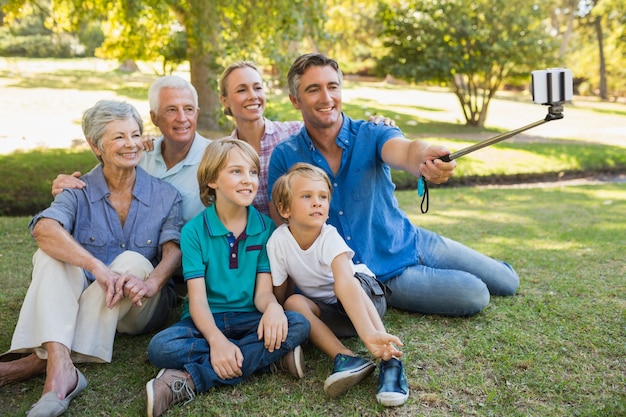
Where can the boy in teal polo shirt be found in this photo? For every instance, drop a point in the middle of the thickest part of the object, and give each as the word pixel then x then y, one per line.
pixel 232 325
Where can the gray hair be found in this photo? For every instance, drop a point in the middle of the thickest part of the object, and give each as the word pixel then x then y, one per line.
pixel 96 119
pixel 169 81
pixel 304 62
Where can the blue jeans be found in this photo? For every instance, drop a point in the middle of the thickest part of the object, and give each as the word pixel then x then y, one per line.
pixel 450 279
pixel 182 346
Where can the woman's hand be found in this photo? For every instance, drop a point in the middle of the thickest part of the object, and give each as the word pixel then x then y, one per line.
pixel 133 288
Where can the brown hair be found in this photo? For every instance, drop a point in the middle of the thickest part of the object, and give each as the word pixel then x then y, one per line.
pixel 304 62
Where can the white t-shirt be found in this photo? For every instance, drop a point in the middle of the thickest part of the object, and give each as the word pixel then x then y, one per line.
pixel 309 269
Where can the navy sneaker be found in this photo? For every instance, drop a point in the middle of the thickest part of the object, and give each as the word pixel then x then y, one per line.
pixel 393 389
pixel 347 372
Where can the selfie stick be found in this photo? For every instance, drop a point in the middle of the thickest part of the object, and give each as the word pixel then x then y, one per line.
pixel 555 112
pixel 549 87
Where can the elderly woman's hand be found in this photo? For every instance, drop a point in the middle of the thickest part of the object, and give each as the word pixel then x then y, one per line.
pixel 134 288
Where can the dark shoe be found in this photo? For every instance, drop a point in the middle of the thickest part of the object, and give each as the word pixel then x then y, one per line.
pixel 293 362
pixel 168 388
pixel 393 389
pixel 49 405
pixel 347 372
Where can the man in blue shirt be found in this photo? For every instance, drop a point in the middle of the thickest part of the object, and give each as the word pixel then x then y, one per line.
pixel 427 273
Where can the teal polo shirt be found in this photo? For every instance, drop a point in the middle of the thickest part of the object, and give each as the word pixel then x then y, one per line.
pixel 228 263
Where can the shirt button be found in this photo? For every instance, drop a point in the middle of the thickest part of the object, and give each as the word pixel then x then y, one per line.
pixel 234 255
pixel 335 185
pixel 92 239
pixel 349 238
pixel 232 244
pixel 149 242
pixel 122 245
pixel 341 212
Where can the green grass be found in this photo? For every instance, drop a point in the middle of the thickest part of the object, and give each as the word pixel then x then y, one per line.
pixel 554 349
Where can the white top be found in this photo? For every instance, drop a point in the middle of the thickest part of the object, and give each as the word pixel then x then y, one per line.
pixel 309 269
pixel 183 176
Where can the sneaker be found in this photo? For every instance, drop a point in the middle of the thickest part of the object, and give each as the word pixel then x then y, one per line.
pixel 292 362
pixel 347 372
pixel 393 389
pixel 168 388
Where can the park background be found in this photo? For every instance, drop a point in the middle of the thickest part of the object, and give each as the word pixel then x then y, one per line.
pixel 553 205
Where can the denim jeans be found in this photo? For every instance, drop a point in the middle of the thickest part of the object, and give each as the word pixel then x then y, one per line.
pixel 450 279
pixel 182 346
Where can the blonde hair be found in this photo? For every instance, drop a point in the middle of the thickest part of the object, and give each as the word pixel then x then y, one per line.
pixel 223 82
pixel 214 160
pixel 282 192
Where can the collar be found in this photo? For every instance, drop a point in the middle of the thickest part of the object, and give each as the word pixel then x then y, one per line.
pixel 194 156
pixel 270 129
pixel 98 188
pixel 215 227
pixel 343 139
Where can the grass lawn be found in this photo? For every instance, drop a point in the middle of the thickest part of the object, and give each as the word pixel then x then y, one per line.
pixel 554 349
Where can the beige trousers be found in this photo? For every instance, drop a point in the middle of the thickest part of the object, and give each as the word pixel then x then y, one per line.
pixel 62 306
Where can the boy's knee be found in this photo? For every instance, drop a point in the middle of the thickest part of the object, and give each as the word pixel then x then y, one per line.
pixel 298 323
pixel 297 302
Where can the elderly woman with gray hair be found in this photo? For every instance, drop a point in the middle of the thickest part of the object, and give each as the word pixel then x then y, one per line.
pixel 106 255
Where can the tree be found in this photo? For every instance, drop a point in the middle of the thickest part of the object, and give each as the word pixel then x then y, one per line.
pixel 468 45
pixel 600 50
pixel 216 32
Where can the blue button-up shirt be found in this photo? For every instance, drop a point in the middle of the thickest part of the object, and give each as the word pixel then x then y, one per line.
pixel 363 207
pixel 155 217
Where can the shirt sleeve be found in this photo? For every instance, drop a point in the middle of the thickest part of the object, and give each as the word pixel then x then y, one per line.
pixel 263 263
pixel 191 248
pixel 63 209
pixel 174 222
pixel 276 257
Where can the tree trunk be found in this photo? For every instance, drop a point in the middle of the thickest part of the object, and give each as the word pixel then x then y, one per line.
pixel 603 89
pixel 203 78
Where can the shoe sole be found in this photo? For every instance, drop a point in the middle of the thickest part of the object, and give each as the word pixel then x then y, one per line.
pixel 391 399
pixel 150 393
pixel 298 359
pixel 340 382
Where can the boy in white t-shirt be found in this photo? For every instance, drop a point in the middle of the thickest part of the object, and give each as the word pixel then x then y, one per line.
pixel 309 254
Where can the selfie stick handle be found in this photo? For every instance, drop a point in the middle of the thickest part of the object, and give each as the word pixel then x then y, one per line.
pixel 555 112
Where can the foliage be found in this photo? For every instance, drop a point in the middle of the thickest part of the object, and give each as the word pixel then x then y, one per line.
pixel 471 46
pixel 216 32
pixel 583 53
pixel 29 37
pixel 351 32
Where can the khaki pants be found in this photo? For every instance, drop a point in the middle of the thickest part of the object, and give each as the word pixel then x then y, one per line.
pixel 62 306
